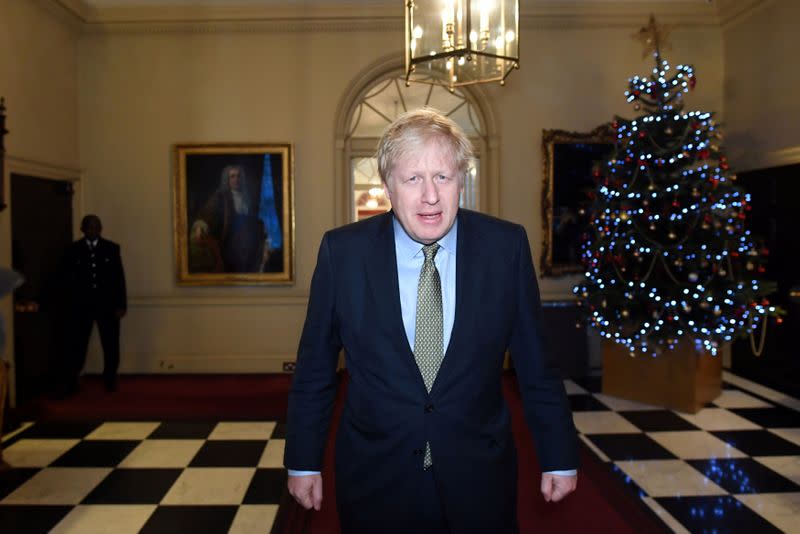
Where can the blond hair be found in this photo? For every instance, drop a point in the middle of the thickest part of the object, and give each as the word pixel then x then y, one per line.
pixel 415 128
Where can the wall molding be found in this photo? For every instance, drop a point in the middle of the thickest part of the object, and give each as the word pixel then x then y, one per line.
pixel 176 363
pixel 289 18
pixel 41 169
pixel 773 158
pixel 169 301
pixel 734 12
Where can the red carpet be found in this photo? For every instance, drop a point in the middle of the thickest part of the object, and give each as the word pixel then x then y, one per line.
pixel 170 397
pixel 599 505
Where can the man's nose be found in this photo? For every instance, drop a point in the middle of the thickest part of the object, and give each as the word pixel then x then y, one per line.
pixel 430 192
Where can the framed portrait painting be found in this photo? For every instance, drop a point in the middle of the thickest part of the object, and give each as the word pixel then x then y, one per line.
pixel 234 214
pixel 569 160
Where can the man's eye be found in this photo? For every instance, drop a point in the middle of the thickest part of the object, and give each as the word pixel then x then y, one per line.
pixel 413 179
pixel 441 178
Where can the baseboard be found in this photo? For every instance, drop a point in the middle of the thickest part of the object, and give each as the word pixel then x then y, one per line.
pixel 200 363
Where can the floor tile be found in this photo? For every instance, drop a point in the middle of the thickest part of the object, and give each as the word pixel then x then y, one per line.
pixel 267 487
pixel 739 399
pixel 624 405
pixel 37 452
pixel 722 513
pixel 209 486
pixel 229 454
pixel 789 434
pixel 58 485
pixel 243 430
pixel 163 453
pixel 606 422
pixel 695 444
pixel 668 478
pixel 31 518
pixel 585 403
pixel 758 442
pixel 122 431
pixel 253 518
pixel 743 475
pixel 96 454
pixel 778 417
pixel 179 519
pixel 657 420
pixel 573 389
pixel 592 384
pixel 780 509
pixel 11 479
pixel 279 432
pixel 719 419
pixel 787 466
pixel 600 454
pixel 665 516
pixel 105 519
pixel 630 447
pixel 133 486
pixel 273 454
pixel 183 430
pixel 59 430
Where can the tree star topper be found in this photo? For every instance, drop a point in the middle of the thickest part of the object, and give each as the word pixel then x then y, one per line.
pixel 653 37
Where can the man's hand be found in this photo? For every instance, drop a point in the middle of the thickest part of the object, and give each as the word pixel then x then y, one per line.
pixel 307 490
pixel 555 487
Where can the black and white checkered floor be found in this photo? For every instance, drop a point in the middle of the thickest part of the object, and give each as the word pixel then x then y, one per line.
pixel 732 467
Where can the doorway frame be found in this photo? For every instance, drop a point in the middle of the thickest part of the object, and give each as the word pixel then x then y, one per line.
pixel 37 169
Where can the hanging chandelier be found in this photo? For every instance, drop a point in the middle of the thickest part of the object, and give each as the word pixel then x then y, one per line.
pixel 461 42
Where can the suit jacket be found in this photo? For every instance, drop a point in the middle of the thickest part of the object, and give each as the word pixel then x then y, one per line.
pixel 389 415
pixel 95 278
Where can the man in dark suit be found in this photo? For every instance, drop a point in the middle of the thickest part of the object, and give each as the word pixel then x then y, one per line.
pixel 425 300
pixel 95 286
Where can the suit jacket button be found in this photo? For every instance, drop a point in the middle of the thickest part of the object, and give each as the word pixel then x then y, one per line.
pixel 428 408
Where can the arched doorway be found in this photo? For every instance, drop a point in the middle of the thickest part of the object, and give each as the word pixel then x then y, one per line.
pixel 374 100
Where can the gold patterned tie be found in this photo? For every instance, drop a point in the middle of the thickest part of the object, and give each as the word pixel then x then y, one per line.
pixel 429 332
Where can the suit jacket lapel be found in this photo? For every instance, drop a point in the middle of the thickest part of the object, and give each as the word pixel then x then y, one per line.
pixel 468 262
pixel 383 285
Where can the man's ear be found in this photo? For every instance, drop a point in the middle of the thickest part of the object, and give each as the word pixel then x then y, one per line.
pixel 387 191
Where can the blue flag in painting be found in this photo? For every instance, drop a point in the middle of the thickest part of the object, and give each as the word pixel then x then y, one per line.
pixel 266 209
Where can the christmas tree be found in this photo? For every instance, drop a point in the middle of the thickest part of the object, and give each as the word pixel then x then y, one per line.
pixel 667 254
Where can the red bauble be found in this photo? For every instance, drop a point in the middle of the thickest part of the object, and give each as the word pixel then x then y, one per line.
pixel 642 135
pixel 692 82
pixel 703 154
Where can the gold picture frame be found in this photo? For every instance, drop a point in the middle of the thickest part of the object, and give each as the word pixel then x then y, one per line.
pixel 234 214
pixel 568 159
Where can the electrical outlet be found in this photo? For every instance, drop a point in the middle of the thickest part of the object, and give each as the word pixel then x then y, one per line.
pixel 288 367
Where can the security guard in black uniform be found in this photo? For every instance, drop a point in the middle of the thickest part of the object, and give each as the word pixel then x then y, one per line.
pixel 95 284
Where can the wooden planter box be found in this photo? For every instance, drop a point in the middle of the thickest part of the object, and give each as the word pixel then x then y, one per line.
pixel 682 379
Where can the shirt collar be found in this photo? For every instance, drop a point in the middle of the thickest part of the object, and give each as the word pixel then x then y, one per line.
pixel 408 248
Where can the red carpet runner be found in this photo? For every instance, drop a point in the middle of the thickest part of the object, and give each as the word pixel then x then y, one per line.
pixel 599 505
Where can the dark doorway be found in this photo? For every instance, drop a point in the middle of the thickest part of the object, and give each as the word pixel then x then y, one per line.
pixel 774 192
pixel 41 230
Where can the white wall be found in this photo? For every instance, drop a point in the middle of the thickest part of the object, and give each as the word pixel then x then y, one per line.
pixel 141 93
pixel 761 86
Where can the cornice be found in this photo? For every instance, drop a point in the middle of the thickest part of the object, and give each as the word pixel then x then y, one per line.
pixel 733 12
pixel 545 14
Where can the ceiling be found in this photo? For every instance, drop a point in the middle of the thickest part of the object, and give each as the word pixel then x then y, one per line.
pixel 204 3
